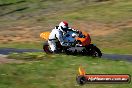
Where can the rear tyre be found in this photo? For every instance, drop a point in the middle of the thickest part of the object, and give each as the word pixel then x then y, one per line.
pixel 46 48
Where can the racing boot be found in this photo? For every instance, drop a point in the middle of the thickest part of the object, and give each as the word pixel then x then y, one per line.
pixel 55 52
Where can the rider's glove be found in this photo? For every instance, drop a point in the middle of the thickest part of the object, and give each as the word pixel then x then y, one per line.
pixel 77 31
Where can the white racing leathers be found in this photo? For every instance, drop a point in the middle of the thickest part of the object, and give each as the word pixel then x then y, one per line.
pixel 56 35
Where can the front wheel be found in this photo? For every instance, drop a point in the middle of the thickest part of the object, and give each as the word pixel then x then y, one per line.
pixel 96 52
pixel 93 51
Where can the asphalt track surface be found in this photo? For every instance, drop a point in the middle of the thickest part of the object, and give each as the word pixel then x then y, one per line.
pixel 6 51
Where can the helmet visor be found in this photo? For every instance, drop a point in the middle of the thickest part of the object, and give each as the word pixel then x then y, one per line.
pixel 64 28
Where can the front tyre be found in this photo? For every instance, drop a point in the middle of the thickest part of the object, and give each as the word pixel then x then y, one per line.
pixel 93 51
pixel 96 52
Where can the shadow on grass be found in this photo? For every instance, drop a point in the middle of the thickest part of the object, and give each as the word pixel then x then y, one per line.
pixel 7 4
pixel 13 11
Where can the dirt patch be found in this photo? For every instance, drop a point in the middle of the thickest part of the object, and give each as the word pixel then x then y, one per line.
pixel 20 34
pixel 100 29
pixel 4 59
pixel 96 29
pixel 123 24
pixel 31 33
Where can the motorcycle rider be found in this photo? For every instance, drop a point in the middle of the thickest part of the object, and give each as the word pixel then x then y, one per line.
pixel 57 34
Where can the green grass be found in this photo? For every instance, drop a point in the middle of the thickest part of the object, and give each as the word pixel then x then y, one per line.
pixel 9 1
pixel 23 45
pixel 59 71
pixel 74 10
pixel 29 56
pixel 108 12
pixel 71 10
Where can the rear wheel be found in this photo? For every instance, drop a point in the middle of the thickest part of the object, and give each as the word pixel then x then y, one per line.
pixel 46 48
